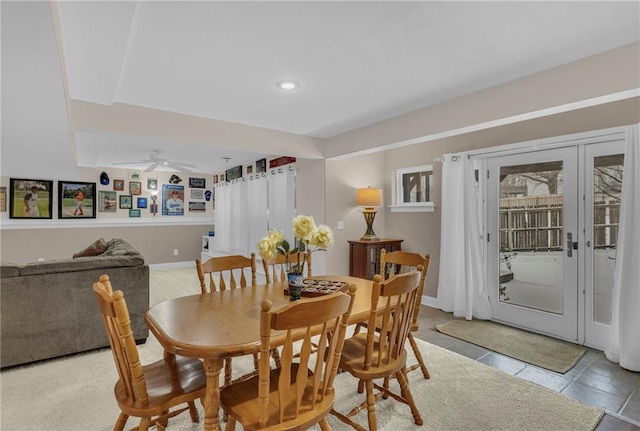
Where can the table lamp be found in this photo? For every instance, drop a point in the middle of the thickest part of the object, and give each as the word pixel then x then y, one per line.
pixel 368 199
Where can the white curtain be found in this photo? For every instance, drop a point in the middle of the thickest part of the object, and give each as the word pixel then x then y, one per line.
pixel 257 212
pixel 246 209
pixel 282 201
pixel 461 288
pixel 624 340
pixel 223 216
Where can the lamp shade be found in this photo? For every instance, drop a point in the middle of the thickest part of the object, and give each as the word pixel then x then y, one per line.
pixel 369 197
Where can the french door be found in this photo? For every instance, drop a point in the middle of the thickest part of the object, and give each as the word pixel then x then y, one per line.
pixel 552 218
pixel 603 188
pixel 533 232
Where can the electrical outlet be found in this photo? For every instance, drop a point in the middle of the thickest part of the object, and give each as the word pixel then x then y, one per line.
pixel 175 252
pixel 340 225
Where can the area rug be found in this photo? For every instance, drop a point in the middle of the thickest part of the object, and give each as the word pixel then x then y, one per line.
pixel 539 350
pixel 462 394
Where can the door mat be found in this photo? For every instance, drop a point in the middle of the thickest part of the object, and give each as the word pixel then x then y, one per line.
pixel 539 350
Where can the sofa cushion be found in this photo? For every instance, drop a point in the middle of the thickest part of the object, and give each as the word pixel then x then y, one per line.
pixel 119 247
pixel 95 249
pixel 80 264
pixel 9 270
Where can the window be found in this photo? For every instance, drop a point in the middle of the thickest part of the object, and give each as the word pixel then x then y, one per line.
pixel 414 189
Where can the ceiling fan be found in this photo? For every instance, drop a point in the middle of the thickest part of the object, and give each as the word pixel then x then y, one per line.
pixel 157 161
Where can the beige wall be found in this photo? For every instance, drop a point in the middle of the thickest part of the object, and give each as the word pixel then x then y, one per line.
pixel 343 178
pixel 24 241
pixel 421 231
pixel 416 139
pixel 603 74
pixel 326 188
pixel 155 243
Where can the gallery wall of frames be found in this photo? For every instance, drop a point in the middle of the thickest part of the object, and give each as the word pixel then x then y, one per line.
pixel 121 193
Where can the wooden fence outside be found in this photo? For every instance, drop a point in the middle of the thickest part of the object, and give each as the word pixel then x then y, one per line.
pixel 534 223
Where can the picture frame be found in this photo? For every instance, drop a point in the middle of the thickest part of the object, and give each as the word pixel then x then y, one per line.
pixel 215 179
pixel 197 183
pixel 142 203
pixel 135 188
pixel 76 200
pixel 134 213
pixel 172 200
pixel 197 194
pixel 249 170
pixel 3 199
pixel 233 173
pixel 118 185
pixel 261 166
pixel 152 184
pixel 126 202
pixel 107 201
pixel 197 206
pixel 22 202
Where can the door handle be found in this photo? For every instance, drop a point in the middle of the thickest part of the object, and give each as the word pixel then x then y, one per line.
pixel 569 244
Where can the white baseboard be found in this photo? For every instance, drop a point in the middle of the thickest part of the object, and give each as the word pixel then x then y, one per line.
pixel 429 301
pixel 173 265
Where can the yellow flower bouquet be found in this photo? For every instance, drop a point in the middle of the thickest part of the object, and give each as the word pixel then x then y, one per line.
pixel 308 238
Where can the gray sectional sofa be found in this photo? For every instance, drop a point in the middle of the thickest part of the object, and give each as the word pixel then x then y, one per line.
pixel 48 309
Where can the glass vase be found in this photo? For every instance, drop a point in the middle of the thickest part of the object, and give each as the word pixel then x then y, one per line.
pixel 295 286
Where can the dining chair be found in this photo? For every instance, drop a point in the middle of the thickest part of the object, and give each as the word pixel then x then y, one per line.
pixel 215 273
pixel 218 272
pixel 397 262
pixel 146 391
pixel 275 269
pixel 379 353
pixel 300 393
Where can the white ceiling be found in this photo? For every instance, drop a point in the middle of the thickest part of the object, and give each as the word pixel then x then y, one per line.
pixel 357 62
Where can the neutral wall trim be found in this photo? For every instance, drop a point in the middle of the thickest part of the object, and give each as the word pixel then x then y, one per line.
pixel 429 301
pixel 586 103
pixel 115 222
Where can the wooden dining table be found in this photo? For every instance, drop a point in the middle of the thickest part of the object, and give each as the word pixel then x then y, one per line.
pixel 224 324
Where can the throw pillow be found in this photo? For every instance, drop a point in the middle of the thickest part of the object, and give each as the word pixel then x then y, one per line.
pixel 95 249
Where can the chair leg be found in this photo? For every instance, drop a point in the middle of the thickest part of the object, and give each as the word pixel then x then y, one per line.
pixel 121 422
pixel 144 424
pixel 227 371
pixel 371 406
pixel 385 385
pixel 275 354
pixel 193 411
pixel 418 355
pixel 324 425
pixel 406 394
pixel 360 386
pixel 356 330
pixel 231 424
pixel 164 421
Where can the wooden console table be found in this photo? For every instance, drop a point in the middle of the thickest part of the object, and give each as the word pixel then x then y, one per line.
pixel 364 256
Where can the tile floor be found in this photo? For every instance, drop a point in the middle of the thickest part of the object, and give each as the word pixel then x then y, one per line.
pixel 594 380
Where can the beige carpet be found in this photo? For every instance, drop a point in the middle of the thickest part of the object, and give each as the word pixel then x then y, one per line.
pixel 539 350
pixel 462 394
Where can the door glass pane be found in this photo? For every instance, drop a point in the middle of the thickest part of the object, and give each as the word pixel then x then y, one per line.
pixel 607 190
pixel 531 253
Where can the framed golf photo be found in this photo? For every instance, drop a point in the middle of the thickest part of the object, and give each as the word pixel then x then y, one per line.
pixel 30 199
pixel 76 200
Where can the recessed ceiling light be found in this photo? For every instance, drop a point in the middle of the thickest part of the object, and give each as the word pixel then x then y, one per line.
pixel 287 85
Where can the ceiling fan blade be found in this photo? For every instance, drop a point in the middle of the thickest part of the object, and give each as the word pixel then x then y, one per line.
pixel 188 165
pixel 151 167
pixel 179 166
pixel 131 163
